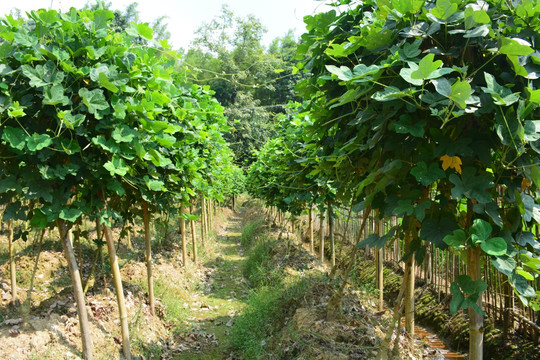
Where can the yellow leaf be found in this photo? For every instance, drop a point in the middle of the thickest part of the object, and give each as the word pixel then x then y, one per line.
pixel 525 184
pixel 453 162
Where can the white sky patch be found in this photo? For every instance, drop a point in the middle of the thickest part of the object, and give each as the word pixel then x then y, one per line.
pixel 185 16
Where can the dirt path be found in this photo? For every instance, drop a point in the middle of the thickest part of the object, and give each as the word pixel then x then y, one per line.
pixel 217 299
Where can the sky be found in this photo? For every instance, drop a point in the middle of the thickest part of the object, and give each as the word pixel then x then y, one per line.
pixel 185 16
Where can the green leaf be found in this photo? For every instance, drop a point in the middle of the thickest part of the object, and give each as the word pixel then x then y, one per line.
pixel 15 137
pixel 480 231
pixel 456 240
pixel 117 166
pixel 435 229
pixel 95 101
pixel 54 95
pixel 70 214
pixel 457 298
pixel 390 93
pixel 5 49
pixel 426 67
pixel 39 219
pixel 15 110
pixel 505 264
pixel 495 246
pixel 528 276
pixel 501 95
pixel 405 125
pixel 165 140
pixel 38 141
pixel 480 31
pixel 406 74
pixel 343 72
pixel 442 86
pixel 515 47
pixel 410 50
pixel 362 71
pixel 520 284
pixel 469 286
pixel 420 210
pixel 43 75
pixel 460 92
pixel 104 81
pixel 15 211
pixel 337 50
pixel 444 9
pixel 123 133
pixel 158 159
pixel 145 31
pixel 534 95
pixel 376 241
pixel 71 121
pixel 154 185
pixel 427 176
pixel 471 185
pixel 10 183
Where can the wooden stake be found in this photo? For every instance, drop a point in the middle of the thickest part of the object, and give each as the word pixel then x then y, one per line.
pixel 86 336
pixel 119 292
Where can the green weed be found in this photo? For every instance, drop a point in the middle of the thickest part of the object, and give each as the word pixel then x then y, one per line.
pixel 250 233
pixel 259 268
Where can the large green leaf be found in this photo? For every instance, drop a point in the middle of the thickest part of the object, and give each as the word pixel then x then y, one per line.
pixel 124 134
pixel 520 284
pixel 427 176
pixel 54 95
pixel 501 95
pixel 406 125
pixel 70 214
pixel 460 92
pixel 505 264
pixel 480 231
pixel 43 75
pixel 515 47
pixel 426 67
pixel 494 246
pixel 15 137
pixel 38 141
pixel 435 229
pixel 343 72
pixel 117 166
pixel 104 81
pixel 456 240
pixel 95 101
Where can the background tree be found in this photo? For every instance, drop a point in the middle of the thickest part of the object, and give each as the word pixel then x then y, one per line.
pixel 253 84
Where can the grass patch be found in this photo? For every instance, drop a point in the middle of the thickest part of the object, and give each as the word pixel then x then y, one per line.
pixel 275 296
pixel 259 267
pixel 250 233
pixel 268 308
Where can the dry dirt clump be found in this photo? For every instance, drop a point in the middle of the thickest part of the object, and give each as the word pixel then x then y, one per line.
pixel 355 335
pixel 48 328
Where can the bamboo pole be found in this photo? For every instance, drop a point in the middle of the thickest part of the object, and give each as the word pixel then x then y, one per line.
pixel 183 234
pixel 203 226
pixel 409 289
pixel 310 219
pixel 331 231
pixel 476 321
pixel 12 267
pixel 321 235
pixel 380 265
pixel 148 258
pixel 193 235
pixel 119 292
